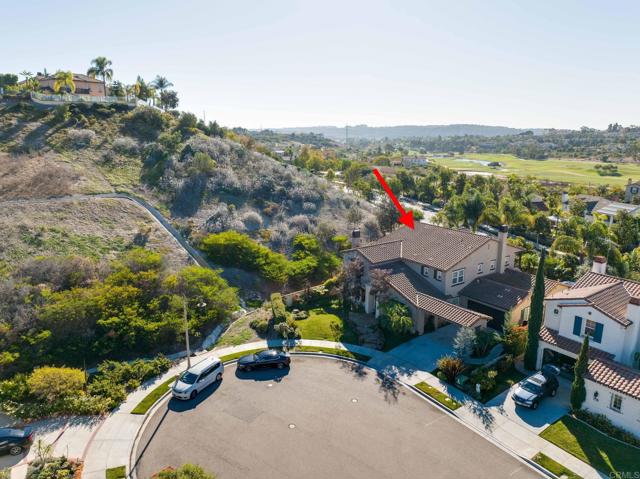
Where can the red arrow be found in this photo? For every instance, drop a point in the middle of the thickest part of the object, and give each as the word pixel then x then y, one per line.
pixel 406 217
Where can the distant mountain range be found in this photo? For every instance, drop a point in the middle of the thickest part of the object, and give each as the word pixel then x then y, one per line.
pixel 406 131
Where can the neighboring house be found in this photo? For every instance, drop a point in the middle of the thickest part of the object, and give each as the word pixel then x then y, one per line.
pixel 607 309
pixel 538 203
pixel 609 210
pixel 499 294
pixel 85 85
pixel 428 267
pixel 632 192
pixel 409 161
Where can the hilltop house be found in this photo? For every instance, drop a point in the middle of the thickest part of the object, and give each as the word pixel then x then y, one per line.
pixel 85 85
pixel 607 309
pixel 596 205
pixel 428 267
pixel 632 192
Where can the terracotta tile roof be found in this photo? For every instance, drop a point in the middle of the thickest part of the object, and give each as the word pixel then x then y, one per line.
pixel 609 294
pixel 76 77
pixel 422 295
pixel 615 376
pixel 553 337
pixel 434 246
pixel 504 290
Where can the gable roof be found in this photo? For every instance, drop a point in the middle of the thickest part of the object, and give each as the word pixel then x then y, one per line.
pixel 608 294
pixel 615 376
pixel 504 290
pixel 430 245
pixel 422 295
pixel 553 337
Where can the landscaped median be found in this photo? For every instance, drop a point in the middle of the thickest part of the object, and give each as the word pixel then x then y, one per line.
pixel 591 446
pixel 554 466
pixel 151 398
pixel 439 396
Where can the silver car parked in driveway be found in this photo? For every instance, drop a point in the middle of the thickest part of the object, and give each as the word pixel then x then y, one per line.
pixel 198 377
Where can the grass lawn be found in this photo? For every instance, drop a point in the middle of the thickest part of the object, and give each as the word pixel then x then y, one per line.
pixel 153 396
pixel 337 352
pixel 119 472
pixel 554 169
pixel 555 467
pixel 323 325
pixel 232 356
pixel 439 396
pixel 594 448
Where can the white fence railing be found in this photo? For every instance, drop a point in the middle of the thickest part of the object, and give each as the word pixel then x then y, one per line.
pixel 72 98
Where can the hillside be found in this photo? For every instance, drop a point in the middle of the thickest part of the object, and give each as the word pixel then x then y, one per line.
pixel 403 131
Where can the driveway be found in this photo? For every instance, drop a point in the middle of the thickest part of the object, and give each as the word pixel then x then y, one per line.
pixel 424 351
pixel 322 418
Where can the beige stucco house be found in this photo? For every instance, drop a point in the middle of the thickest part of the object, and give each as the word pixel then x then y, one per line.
pixel 85 85
pixel 428 267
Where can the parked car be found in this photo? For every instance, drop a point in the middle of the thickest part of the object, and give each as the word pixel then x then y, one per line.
pixel 535 388
pixel 198 377
pixel 14 441
pixel 267 358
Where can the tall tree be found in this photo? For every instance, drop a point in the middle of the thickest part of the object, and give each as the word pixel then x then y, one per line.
pixel 578 391
pixel 535 317
pixel 101 67
pixel 161 83
pixel 64 80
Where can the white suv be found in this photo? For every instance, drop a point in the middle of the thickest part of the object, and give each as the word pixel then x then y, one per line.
pixel 194 380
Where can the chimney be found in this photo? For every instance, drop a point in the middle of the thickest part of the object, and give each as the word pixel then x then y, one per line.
pixel 502 247
pixel 599 265
pixel 565 201
pixel 355 238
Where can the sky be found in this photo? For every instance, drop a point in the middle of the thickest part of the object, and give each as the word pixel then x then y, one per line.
pixel 279 63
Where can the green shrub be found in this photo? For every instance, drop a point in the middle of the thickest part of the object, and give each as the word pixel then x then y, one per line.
pixel 396 318
pixel 61 114
pixel 55 468
pixel 278 309
pixel 261 326
pixel 288 329
pixel 604 424
pixel 145 122
pixel 486 378
pixel 51 384
pixel 514 339
pixel 450 367
pixel 186 471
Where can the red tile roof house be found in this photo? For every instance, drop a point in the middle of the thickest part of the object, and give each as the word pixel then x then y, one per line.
pixel 607 309
pixel 429 266
pixel 85 85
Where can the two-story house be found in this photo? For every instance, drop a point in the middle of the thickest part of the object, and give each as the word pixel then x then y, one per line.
pixel 428 268
pixel 632 192
pixel 607 309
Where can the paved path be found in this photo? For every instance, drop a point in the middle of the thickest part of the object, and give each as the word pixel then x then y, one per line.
pixel 109 443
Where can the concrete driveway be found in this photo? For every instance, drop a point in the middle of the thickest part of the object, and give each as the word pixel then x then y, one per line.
pixel 322 418
pixel 424 351
pixel 549 411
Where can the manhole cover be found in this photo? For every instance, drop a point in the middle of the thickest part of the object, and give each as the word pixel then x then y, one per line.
pixel 292 426
pixel 354 400
pixel 270 385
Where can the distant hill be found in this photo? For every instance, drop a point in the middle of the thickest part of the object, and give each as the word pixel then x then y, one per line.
pixel 406 131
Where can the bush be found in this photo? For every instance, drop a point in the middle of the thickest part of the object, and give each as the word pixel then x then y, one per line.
pixel 56 468
pixel 278 308
pixel 396 318
pixel 61 114
pixel 515 339
pixel 126 146
pixel 52 384
pixel 80 138
pixel 260 326
pixel 300 315
pixel 486 378
pixel 145 122
pixel 186 471
pixel 604 424
pixel 288 329
pixel 505 364
pixel 450 366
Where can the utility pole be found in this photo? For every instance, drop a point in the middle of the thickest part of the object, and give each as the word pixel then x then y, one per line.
pixel 346 136
pixel 186 330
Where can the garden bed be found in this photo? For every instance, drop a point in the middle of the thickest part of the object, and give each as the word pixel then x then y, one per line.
pixel 504 380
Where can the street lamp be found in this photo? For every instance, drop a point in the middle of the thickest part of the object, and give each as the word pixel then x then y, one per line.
pixel 201 304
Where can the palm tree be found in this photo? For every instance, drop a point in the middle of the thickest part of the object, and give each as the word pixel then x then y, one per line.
pixel 161 84
pixel 64 80
pixel 100 67
pixel 26 74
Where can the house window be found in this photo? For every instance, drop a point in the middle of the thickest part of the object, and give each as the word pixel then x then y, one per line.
pixel 616 402
pixel 634 190
pixel 590 328
pixel 507 261
pixel 425 271
pixel 458 277
pixel 492 265
pixel 437 275
pixel 480 268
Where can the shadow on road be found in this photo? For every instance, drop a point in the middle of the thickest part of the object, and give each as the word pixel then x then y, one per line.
pixel 178 405
pixel 266 374
pixel 388 380
pixel 358 370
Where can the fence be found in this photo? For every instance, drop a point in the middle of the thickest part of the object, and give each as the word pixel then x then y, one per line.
pixel 43 99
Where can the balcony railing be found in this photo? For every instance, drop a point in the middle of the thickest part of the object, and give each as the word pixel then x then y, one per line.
pixel 71 98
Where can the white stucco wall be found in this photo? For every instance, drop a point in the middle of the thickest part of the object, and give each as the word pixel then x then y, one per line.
pixel 629 416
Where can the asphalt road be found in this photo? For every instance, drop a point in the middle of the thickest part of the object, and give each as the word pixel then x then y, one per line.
pixel 320 419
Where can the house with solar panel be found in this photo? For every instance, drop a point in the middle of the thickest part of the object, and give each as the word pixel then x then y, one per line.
pixel 607 309
pixel 428 269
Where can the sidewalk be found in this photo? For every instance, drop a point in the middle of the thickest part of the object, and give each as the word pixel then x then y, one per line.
pixel 108 443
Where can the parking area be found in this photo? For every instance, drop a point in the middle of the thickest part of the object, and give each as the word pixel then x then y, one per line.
pixel 322 418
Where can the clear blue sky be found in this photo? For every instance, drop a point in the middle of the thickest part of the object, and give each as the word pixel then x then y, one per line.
pixel 278 63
